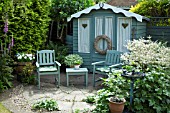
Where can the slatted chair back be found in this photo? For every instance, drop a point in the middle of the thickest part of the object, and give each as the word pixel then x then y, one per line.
pixel 46 57
pixel 112 57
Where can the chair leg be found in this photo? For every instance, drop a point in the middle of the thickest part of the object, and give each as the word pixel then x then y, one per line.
pixel 93 77
pixel 59 80
pixel 38 81
pixel 67 77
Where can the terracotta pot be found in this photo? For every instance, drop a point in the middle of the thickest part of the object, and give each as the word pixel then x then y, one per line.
pixel 116 107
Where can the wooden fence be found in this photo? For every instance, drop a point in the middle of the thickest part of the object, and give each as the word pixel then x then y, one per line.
pixel 159 29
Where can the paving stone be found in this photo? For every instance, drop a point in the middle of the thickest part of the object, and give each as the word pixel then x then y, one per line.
pixel 81 106
pixel 21 98
pixel 65 105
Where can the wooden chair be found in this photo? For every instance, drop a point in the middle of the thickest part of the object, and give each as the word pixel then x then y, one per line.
pixel 112 61
pixel 46 65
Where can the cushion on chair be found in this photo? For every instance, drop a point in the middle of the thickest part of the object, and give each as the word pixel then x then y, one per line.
pixel 49 68
pixel 103 69
pixel 106 69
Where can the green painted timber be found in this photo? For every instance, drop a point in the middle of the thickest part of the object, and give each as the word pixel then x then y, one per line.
pixel 94 56
pixel 160 33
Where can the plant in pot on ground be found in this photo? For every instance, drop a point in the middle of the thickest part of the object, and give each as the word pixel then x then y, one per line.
pixel 116 104
pixel 27 76
pixel 73 59
pixel 22 60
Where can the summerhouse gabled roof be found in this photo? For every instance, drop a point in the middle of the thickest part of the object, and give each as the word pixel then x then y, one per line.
pixel 106 6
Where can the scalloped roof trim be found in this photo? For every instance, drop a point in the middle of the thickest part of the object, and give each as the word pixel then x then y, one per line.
pixel 106 6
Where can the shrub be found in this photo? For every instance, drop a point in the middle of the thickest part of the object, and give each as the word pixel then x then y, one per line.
pixel 28 22
pixel 5 72
pixel 90 99
pixel 146 54
pixel 152 8
pixel 60 50
pixel 49 105
pixel 27 74
pixel 114 85
pixel 151 94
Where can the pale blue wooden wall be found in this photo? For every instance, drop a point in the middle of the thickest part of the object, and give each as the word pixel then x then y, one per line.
pixel 92 56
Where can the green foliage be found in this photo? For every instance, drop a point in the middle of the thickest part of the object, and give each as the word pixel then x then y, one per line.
pixel 5 73
pixel 73 59
pixel 28 22
pixel 115 85
pixel 27 74
pixel 155 96
pixel 60 51
pixel 152 8
pixel 2 87
pixel 151 93
pixel 146 54
pixel 49 105
pixel 89 99
pixel 61 9
pixel 118 99
pixel 3 109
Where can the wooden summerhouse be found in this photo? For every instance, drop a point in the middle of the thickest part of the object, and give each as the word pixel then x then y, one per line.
pixel 102 19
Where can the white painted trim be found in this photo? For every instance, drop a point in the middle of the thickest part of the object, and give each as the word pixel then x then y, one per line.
pixel 107 6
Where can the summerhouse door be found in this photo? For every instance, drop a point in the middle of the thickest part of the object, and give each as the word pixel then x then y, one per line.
pixel 123 33
pixel 84 35
pixel 104 26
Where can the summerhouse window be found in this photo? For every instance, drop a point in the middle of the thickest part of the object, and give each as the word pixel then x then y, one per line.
pixel 104 25
pixel 109 27
pixel 99 30
pixel 83 35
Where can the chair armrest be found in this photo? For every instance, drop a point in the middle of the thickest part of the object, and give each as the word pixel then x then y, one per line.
pixel 37 64
pixel 98 62
pixel 116 65
pixel 57 63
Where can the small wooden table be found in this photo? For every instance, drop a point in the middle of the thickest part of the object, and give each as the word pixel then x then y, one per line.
pixel 80 71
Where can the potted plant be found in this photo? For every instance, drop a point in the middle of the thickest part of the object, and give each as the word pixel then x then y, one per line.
pixel 73 60
pixel 22 60
pixel 116 104
pixel 77 64
pixel 27 75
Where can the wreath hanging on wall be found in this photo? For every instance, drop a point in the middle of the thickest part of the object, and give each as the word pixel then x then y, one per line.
pixel 96 41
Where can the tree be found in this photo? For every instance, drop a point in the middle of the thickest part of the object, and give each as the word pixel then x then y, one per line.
pixel 61 9
pixel 152 8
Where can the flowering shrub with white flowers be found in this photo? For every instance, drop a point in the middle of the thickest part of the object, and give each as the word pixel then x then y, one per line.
pixel 22 57
pixel 145 54
pixel 151 93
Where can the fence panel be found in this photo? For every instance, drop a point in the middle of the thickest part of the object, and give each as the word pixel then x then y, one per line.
pixel 159 29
